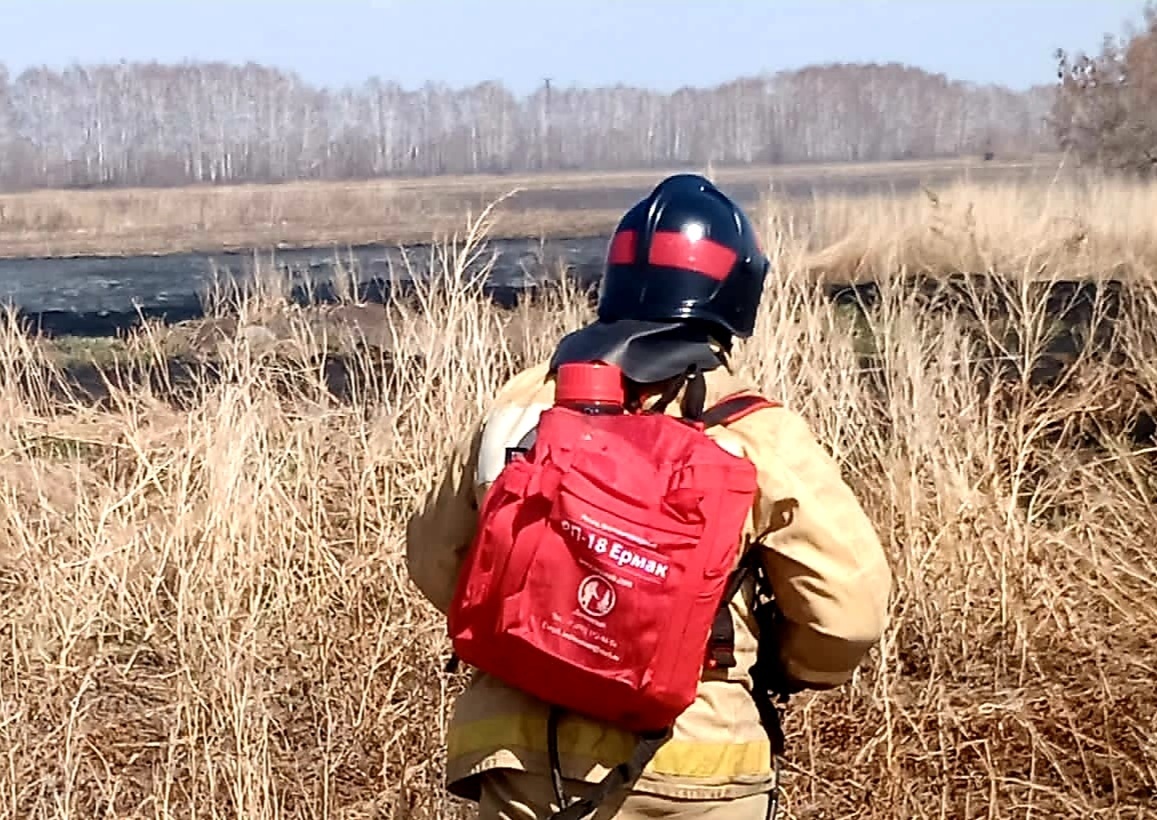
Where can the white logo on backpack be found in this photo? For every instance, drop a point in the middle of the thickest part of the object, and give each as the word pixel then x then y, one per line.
pixel 596 596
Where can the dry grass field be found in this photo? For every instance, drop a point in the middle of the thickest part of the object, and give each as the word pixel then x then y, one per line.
pixel 204 610
pixel 216 218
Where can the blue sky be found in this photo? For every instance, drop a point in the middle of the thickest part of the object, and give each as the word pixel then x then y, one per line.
pixel 586 42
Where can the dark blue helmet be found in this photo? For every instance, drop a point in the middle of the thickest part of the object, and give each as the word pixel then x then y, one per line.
pixel 684 268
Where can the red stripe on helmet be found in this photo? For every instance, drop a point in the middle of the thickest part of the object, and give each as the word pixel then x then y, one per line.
pixel 622 250
pixel 673 249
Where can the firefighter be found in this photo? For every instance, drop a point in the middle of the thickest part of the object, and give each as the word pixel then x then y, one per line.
pixel 684 276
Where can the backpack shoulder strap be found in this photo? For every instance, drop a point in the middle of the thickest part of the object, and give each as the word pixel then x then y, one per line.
pixel 735 407
pixel 721 644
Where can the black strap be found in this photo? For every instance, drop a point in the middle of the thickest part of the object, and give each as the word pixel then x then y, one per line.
pixel 768 684
pixel 618 778
pixel 765 684
pixel 721 643
pixel 555 758
pixel 695 397
pixel 694 403
pixel 671 393
pixel 730 409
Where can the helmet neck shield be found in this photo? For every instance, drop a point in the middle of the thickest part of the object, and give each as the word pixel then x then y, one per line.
pixel 646 352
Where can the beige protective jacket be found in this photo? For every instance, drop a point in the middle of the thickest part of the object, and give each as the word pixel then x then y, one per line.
pixel 827 568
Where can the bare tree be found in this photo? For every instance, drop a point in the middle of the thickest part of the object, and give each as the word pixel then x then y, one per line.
pixel 1105 112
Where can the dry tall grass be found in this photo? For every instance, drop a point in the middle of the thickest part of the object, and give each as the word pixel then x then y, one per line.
pixel 223 217
pixel 206 613
pixel 1075 225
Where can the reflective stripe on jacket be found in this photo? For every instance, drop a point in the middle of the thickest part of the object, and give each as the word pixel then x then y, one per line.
pixel 827 569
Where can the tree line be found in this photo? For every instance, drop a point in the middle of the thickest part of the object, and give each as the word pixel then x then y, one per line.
pixel 163 124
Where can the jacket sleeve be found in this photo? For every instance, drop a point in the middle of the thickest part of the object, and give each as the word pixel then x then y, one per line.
pixel 442 527
pixel 826 565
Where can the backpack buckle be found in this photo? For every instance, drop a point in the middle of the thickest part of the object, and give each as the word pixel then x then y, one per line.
pixel 516 452
pixel 720 655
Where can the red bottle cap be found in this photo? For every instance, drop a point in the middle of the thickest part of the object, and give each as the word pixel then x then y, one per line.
pixel 589 383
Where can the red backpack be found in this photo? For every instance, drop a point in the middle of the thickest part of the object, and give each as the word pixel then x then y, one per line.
pixel 598 580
